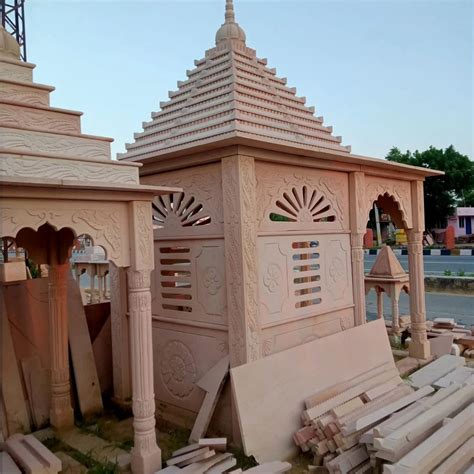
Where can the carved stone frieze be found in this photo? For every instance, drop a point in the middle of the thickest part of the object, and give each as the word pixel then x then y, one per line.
pixel 55 168
pixel 104 226
pixel 15 116
pixel 38 142
pixel 24 95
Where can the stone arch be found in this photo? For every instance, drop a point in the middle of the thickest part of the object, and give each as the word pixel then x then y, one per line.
pixel 104 227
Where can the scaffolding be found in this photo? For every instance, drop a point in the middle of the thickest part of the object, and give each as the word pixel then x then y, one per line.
pixel 12 13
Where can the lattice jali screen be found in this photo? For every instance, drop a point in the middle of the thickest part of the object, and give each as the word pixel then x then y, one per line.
pixel 175 278
pixel 180 210
pixel 302 204
pixel 306 273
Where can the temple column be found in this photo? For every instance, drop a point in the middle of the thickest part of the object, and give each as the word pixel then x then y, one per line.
pixel 358 221
pixel 61 414
pixel 379 303
pixel 146 455
pixel 419 345
pixel 120 334
pixel 240 232
pixel 395 312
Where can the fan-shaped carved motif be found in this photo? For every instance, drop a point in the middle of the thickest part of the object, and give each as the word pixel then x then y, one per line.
pixel 180 209
pixel 303 205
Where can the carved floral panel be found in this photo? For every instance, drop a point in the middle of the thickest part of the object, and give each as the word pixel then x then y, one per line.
pixel 182 356
pixel 294 198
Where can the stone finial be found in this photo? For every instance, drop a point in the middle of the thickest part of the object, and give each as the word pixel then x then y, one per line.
pixel 387 265
pixel 230 30
pixel 9 48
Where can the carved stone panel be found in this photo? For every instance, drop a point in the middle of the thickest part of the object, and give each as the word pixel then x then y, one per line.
pixel 189 281
pixel 194 212
pixel 106 223
pixel 182 355
pixel 302 276
pixel 291 198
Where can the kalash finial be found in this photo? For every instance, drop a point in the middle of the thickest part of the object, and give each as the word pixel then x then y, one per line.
pixel 230 30
pixel 229 11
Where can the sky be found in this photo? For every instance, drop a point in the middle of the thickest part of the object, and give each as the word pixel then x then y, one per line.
pixel 382 73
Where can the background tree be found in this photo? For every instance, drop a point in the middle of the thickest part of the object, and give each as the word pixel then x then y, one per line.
pixel 443 193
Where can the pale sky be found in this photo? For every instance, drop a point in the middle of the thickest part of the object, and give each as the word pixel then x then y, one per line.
pixel 382 73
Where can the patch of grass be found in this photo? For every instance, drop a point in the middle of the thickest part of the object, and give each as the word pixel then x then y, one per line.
pixel 172 439
pixel 461 273
pixel 447 273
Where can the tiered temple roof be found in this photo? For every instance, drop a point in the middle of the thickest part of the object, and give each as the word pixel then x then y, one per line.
pixel 40 142
pixel 232 93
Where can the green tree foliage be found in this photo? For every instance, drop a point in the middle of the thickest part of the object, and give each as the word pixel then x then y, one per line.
pixel 442 193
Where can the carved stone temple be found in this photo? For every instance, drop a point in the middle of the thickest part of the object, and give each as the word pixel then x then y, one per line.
pixel 57 183
pixel 263 248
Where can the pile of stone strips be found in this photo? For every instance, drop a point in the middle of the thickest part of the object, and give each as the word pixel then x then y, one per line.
pixel 382 424
pixel 209 456
pixel 460 336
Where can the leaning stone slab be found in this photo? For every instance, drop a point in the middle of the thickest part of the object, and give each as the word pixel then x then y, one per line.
pixel 269 392
pixel 435 370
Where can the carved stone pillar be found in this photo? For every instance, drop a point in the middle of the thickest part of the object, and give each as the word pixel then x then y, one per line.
pixel 419 345
pixel 120 334
pixel 379 303
pixel 61 414
pixel 146 455
pixel 395 312
pixel 358 220
pixel 240 232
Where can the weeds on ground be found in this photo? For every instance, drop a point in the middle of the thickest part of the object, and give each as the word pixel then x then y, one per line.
pixel 448 273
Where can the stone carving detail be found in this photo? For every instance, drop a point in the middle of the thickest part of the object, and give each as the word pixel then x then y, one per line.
pixel 26 167
pixel 144 232
pixel 399 190
pixel 178 369
pixel 102 226
pixel 212 280
pixel 238 175
pixel 312 199
pixel 25 96
pixel 303 204
pixel 35 142
pixel 13 72
pixel 204 188
pixel 336 278
pixel 23 117
pixel 179 209
pixel 272 277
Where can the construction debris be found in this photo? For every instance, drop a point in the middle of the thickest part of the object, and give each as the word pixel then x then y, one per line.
pixel 424 425
pixel 201 458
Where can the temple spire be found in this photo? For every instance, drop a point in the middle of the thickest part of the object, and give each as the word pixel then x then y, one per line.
pixel 230 33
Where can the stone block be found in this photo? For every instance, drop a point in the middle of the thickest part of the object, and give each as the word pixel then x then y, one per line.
pixel 435 370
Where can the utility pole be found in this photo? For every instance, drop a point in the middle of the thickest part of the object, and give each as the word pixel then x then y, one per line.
pixel 12 15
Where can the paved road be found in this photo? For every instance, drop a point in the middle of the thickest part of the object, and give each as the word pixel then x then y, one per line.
pixel 438 305
pixel 433 263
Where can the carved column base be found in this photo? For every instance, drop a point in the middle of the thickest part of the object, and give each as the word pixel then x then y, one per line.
pixel 62 420
pixel 419 350
pixel 146 461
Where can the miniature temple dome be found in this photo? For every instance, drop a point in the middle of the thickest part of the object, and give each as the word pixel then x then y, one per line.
pixel 8 45
pixel 230 30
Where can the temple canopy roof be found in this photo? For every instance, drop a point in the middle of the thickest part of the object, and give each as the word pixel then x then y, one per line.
pixel 387 266
pixel 232 92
